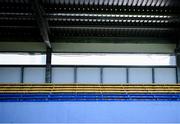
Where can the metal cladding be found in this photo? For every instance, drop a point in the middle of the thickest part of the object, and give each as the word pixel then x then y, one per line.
pixel 94 18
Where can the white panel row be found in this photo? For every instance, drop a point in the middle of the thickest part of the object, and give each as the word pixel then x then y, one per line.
pixel 83 75
pixel 114 75
pixel 89 75
pixel 34 75
pixel 13 75
pixel 10 75
pixel 140 75
pixel 65 75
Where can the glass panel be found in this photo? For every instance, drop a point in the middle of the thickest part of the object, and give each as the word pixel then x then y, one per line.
pixel 34 75
pixel 22 58
pixel 165 75
pixel 88 75
pixel 140 75
pixel 10 75
pixel 114 75
pixel 112 59
pixel 63 75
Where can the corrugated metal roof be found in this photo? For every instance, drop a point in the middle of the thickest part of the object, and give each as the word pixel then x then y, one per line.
pixel 114 18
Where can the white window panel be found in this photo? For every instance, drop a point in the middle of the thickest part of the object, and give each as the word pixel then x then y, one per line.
pixel 112 59
pixel 140 75
pixel 165 75
pixel 114 75
pixel 10 75
pixel 34 75
pixel 88 75
pixel 62 75
pixel 22 58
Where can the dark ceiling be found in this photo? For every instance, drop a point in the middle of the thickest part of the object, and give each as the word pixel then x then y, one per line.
pixel 49 20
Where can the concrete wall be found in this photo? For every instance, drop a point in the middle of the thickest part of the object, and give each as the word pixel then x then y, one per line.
pixel 82 112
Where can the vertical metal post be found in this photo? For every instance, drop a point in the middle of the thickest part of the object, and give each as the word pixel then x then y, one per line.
pixel 178 67
pixel 48 65
pixel 153 76
pixel 22 74
pixel 75 74
pixel 101 75
pixel 176 75
pixel 127 75
pixel 177 51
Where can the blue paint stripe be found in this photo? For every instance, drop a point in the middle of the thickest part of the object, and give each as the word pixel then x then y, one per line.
pixel 33 97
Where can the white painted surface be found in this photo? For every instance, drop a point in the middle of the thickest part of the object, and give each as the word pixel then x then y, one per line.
pixel 114 75
pixel 34 75
pixel 62 75
pixel 10 75
pixel 165 75
pixel 88 75
pixel 112 59
pixel 140 75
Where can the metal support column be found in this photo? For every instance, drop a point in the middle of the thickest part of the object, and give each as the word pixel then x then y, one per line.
pixel 177 51
pixel 75 74
pixel 178 66
pixel 42 22
pixel 101 75
pixel 127 75
pixel 22 74
pixel 153 76
pixel 48 65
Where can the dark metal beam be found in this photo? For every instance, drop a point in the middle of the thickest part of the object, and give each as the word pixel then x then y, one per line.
pixel 101 76
pixel 113 27
pixel 153 75
pixel 136 10
pixel 178 67
pixel 93 26
pixel 118 31
pixel 177 51
pixel 75 74
pixel 22 74
pixel 42 22
pixel 88 39
pixel 48 65
pixel 127 75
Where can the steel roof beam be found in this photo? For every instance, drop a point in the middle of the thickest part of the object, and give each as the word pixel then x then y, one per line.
pixel 177 51
pixel 112 27
pixel 148 10
pixel 94 27
pixel 112 9
pixel 42 22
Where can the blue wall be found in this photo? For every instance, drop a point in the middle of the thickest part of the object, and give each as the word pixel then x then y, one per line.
pixel 126 112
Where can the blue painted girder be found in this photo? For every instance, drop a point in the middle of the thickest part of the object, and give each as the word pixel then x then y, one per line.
pixel 45 97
